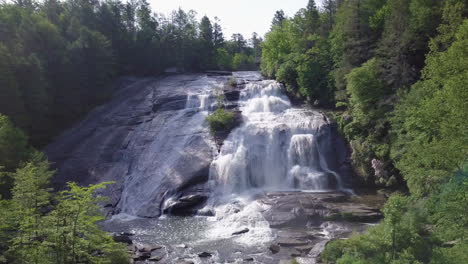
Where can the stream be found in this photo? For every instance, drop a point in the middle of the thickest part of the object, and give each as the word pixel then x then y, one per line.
pixel 273 190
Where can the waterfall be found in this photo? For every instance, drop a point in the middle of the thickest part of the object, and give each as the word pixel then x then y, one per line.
pixel 276 148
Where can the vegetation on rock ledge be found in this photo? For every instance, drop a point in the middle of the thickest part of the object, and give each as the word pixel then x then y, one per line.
pixel 220 121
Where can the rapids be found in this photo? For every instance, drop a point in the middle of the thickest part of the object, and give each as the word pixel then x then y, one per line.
pixel 276 148
pixel 271 181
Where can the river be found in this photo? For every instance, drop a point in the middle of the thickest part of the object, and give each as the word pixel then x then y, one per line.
pixel 273 190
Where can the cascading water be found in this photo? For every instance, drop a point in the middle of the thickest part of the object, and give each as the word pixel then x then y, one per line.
pixel 278 151
pixel 275 149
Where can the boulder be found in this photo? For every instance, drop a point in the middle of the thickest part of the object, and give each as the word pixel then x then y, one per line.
pixel 291 242
pixel 242 231
pixel 185 205
pixel 274 248
pixel 148 248
pixel 205 255
pixel 155 258
pixel 184 261
pixel 122 238
pixel 206 212
pixel 295 253
pixel 141 256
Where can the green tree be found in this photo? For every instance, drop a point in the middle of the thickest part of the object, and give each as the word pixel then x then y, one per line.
pixel 207 44
pixel 14 149
pixel 73 229
pixel 31 196
pixel 218 37
pixel 278 19
pixel 434 119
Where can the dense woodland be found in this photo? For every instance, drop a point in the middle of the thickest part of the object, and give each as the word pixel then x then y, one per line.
pixel 58 60
pixel 395 74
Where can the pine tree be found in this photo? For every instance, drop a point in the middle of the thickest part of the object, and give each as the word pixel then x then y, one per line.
pixel 218 37
pixel 207 44
pixel 73 230
pixel 278 19
pixel 31 197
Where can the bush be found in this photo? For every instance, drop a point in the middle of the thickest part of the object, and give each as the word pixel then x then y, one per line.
pixel 364 85
pixel 220 120
pixel 232 82
pixel 287 74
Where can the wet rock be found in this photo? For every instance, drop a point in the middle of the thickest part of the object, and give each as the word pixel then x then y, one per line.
pixel 144 127
pixel 291 242
pixel 131 248
pixel 148 248
pixel 317 249
pixel 274 248
pixel 304 249
pixel 248 259
pixel 122 238
pixel 295 253
pixel 205 212
pixel 183 261
pixel 302 235
pixel 218 73
pixel 232 95
pixel 155 258
pixel 305 260
pixel 242 231
pixel 278 219
pixel 141 256
pixel 205 255
pixel 181 246
pixel 184 205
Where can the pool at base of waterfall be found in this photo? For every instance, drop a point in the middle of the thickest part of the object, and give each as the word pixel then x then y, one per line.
pixel 267 227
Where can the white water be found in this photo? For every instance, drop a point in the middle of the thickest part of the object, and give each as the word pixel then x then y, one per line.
pixel 278 147
pixel 275 149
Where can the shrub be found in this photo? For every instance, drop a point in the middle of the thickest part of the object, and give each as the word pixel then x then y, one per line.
pixel 220 120
pixel 232 82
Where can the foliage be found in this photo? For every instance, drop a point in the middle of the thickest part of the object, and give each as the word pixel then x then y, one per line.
pixel 221 120
pixel 73 230
pixel 58 59
pixel 296 54
pixel 13 145
pixel 397 72
pixel 38 226
pixel 434 119
pixel 13 150
pixel 242 61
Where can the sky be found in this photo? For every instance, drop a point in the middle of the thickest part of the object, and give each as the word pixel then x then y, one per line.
pixel 237 16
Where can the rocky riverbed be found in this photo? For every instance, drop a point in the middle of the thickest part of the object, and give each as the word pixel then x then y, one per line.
pixel 293 225
pixel 276 188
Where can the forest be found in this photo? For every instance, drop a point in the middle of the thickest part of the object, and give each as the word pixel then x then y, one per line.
pixel 392 73
pixel 59 60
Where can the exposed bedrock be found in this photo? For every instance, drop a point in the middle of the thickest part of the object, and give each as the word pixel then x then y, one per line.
pixel 147 140
pixel 152 140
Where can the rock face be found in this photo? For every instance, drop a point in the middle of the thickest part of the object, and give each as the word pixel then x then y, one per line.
pixel 148 140
pixel 305 222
